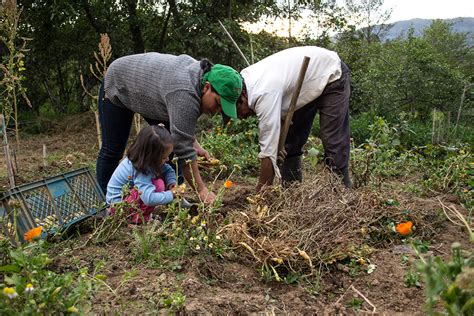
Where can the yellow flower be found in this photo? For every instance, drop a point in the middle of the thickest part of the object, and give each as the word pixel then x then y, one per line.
pixel 218 237
pixel 228 184
pixel 198 247
pixel 205 238
pixel 211 245
pixel 33 233
pixel 203 223
pixel 29 288
pixel 10 292
pixel 72 310
pixel 194 219
pixel 404 229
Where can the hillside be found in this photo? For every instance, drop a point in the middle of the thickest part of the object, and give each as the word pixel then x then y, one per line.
pixel 400 28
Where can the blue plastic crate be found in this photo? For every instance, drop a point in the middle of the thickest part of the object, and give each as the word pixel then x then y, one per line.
pixel 54 203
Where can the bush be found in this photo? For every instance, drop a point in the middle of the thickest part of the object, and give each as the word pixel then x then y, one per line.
pixel 236 144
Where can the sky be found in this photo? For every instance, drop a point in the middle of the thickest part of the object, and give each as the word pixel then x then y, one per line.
pixel 429 9
pixel 401 10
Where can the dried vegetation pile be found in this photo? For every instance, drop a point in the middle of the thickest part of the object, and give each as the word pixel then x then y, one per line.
pixel 316 223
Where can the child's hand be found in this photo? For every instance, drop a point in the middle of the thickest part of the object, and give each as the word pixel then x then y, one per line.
pixel 178 190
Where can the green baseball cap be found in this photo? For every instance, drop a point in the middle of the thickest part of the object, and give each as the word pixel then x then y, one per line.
pixel 228 84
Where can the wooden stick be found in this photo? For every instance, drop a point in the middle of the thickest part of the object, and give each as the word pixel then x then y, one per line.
pixel 365 298
pixel 44 155
pixel 6 150
pixel 235 44
pixel 294 99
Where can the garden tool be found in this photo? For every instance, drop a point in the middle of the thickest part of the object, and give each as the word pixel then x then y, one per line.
pixel 291 166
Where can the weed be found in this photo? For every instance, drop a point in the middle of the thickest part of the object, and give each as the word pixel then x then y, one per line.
pixel 355 304
pixel 449 283
pixel 30 287
pixel 412 278
pixel 172 300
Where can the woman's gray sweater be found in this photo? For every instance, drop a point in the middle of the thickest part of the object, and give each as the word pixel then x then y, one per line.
pixel 160 87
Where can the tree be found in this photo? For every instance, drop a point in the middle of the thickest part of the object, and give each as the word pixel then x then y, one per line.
pixel 369 15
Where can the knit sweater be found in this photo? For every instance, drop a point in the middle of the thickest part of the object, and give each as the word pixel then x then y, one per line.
pixel 161 87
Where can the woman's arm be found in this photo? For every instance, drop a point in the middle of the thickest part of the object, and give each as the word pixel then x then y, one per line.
pixel 192 175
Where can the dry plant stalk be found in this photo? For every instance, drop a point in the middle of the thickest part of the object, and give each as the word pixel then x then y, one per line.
pixel 98 71
pixel 312 224
pixel 14 65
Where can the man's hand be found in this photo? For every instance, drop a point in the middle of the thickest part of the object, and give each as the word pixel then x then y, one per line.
pixel 266 173
pixel 201 151
pixel 281 156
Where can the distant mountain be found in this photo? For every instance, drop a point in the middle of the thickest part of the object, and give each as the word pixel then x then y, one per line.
pixel 400 28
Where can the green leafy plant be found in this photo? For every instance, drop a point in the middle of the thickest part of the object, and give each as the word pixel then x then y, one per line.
pixel 412 278
pixel 30 287
pixel 355 304
pixel 449 282
pixel 234 145
pixel 172 300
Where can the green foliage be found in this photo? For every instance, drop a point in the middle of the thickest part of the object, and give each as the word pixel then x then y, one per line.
pixel 234 145
pixel 172 300
pixel 415 75
pixel 440 168
pixel 355 304
pixel 182 232
pixel 412 278
pixel 31 288
pixel 449 282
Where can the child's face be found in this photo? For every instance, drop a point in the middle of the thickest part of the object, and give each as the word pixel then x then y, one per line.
pixel 167 152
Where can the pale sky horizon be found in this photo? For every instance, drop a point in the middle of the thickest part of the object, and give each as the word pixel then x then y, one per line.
pixel 429 9
pixel 401 10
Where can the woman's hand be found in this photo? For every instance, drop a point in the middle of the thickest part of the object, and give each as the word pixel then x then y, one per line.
pixel 207 196
pixel 201 151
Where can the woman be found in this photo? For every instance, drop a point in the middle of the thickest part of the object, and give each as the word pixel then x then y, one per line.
pixel 168 89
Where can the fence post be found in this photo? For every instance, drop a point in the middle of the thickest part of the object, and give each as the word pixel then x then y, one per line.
pixel 6 150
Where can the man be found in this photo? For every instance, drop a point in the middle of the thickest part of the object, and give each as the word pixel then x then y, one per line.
pixel 268 89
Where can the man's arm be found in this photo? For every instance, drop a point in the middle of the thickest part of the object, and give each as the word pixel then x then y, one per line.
pixel 266 173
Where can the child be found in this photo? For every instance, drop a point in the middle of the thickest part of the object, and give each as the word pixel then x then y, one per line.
pixel 145 170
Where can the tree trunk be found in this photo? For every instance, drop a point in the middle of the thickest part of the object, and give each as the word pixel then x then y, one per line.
pixel 92 20
pixel 161 43
pixel 62 89
pixel 134 24
pixel 229 9
pixel 175 12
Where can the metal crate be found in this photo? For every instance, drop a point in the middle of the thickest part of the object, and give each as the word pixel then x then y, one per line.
pixel 54 203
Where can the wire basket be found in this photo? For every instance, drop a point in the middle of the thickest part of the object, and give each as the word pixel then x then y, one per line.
pixel 55 204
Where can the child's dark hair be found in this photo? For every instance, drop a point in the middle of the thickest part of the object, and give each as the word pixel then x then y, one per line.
pixel 147 150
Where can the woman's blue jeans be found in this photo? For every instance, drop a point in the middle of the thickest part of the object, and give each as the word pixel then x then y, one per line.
pixel 115 124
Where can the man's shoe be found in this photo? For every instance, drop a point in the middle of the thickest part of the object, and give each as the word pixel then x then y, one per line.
pixel 291 170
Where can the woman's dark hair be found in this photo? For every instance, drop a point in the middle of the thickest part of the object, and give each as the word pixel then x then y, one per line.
pixel 146 151
pixel 206 66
